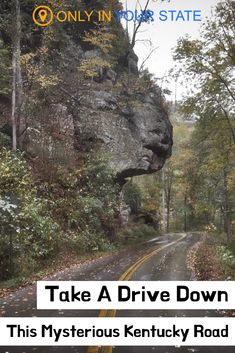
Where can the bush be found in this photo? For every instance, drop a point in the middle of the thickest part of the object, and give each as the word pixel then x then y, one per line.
pixel 137 234
pixel 227 255
pixel 132 196
pixel 28 234
pixel 77 211
pixel 87 208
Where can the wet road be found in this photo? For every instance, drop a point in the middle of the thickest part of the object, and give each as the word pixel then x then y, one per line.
pixel 168 264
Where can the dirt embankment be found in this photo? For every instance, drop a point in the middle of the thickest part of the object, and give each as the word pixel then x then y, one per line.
pixel 205 263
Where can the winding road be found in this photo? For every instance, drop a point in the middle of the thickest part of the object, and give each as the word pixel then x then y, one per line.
pixel 162 258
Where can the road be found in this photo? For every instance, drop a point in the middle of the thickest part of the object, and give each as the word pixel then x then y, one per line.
pixel 160 259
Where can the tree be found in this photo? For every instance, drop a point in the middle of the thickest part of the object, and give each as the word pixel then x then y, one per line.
pixel 210 62
pixel 167 180
pixel 17 85
pixel 5 70
pixel 175 185
pixel 144 17
pixel 137 23
pixel 100 39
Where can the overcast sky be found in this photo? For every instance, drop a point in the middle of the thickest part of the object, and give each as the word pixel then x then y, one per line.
pixel 164 35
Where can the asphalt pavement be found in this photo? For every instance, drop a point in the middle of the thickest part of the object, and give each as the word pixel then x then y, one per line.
pixel 168 264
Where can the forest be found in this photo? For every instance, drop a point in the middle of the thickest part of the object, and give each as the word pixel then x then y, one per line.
pixel 72 105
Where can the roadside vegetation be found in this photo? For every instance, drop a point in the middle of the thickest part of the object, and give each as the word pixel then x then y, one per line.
pixel 196 188
pixel 50 209
pixel 55 203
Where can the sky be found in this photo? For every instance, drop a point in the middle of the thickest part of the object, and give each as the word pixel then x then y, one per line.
pixel 164 36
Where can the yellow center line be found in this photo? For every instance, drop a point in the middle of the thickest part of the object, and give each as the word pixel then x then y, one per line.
pixel 125 277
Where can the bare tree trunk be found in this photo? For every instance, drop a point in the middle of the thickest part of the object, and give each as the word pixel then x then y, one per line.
pixel 227 221
pixel 136 27
pixel 137 24
pixel 168 192
pixel 163 202
pixel 13 104
pixel 185 212
pixel 21 124
pixel 17 86
pixel 167 178
pixel 167 216
pixel 127 23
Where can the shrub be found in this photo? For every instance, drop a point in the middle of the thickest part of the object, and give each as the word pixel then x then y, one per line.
pixel 78 211
pixel 28 234
pixel 137 234
pixel 88 204
pixel 132 196
pixel 227 255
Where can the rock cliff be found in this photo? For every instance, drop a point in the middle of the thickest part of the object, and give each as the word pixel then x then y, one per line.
pixel 136 135
pixel 116 111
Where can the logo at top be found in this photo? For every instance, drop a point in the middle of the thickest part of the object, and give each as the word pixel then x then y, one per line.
pixel 43 16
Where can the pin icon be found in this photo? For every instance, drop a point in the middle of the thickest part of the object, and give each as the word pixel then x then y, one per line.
pixel 42 15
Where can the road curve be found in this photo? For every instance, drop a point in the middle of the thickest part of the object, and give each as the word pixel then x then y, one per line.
pixel 162 258
pixel 170 264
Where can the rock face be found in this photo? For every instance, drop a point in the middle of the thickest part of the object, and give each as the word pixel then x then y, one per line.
pixel 129 125
pixel 134 134
pixel 137 136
